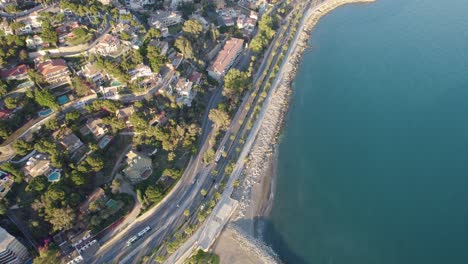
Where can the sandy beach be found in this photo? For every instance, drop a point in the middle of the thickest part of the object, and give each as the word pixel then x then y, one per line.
pixel 241 240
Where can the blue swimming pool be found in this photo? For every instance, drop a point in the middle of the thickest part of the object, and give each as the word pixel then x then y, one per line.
pixel 104 141
pixel 115 83
pixel 54 176
pixel 63 99
pixel 45 112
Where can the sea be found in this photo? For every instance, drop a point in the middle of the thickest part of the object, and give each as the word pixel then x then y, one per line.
pixel 373 159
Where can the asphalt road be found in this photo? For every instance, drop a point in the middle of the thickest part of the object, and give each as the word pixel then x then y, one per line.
pixel 168 215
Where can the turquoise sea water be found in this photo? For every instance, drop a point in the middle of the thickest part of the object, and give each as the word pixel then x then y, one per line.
pixel 373 162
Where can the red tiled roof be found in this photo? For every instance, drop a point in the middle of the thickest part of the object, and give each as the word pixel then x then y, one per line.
pixel 225 56
pixel 51 66
pixel 15 71
pixel 5 113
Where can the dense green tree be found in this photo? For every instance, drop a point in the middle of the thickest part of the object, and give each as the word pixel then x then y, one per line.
pixel 11 102
pixel 125 36
pixel 38 184
pixel 61 218
pixel 48 33
pixel 95 162
pixel 13 170
pixel 72 116
pixel 235 82
pixel 52 124
pixel 155 58
pixel 45 98
pixel 185 47
pixel 22 147
pixel 80 87
pixel 220 119
pixel 47 256
pixel 193 28
pixel 17 25
pixel 153 194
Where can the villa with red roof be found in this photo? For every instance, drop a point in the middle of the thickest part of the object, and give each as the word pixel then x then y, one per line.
pixel 54 71
pixel 225 58
pixel 19 72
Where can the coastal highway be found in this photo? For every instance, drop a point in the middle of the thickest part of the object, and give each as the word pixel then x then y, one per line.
pixel 167 216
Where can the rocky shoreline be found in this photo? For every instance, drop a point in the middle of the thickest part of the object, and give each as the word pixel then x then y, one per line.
pixel 258 178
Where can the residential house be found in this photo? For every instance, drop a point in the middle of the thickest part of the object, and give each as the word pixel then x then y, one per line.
pixel 54 71
pixel 105 2
pixel 225 58
pixel 184 91
pixel 175 59
pixel 19 72
pixel 140 71
pixel 11 250
pixel 139 4
pixel 125 113
pixel 94 74
pixel 164 19
pixel 108 45
pixel 139 167
pixel 34 42
pixel 163 46
pixel 97 128
pixel 68 140
pixel 6 181
pixel 37 165
pixel 32 23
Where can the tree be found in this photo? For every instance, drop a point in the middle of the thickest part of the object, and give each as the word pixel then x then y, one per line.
pixel 172 173
pixel 185 47
pixel 153 194
pixel 38 184
pixel 47 256
pixel 220 119
pixel 72 116
pixel 80 87
pixel 3 207
pixel 125 36
pixel 153 33
pixel 11 102
pixel 61 218
pixel 217 196
pixel 188 230
pixel 3 89
pixel 155 58
pixel 17 25
pixel 52 124
pixel 235 82
pixel 187 212
pixel 115 186
pixel 22 147
pixel 78 178
pixel 48 33
pixel 96 163
pixel 193 28
pixel 203 192
pixel 45 98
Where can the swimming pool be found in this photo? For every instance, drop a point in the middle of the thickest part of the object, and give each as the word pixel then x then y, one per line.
pixel 45 112
pixel 63 99
pixel 104 141
pixel 115 83
pixel 54 176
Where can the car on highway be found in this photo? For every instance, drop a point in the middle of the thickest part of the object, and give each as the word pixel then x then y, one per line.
pixel 132 240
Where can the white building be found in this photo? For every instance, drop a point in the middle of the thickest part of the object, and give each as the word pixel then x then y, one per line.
pixel 164 19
